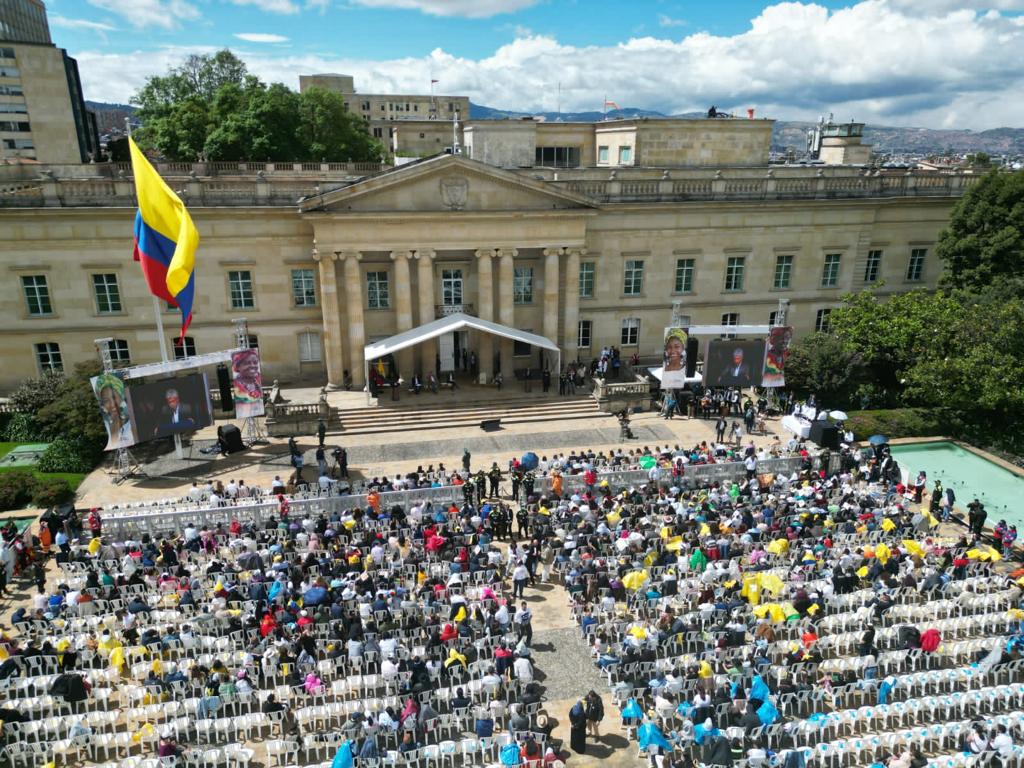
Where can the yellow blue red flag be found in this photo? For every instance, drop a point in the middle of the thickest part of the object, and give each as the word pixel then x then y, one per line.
pixel 165 238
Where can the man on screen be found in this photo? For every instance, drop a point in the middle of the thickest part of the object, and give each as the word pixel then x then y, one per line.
pixel 738 372
pixel 176 416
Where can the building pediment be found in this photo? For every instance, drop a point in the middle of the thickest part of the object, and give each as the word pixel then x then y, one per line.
pixel 446 183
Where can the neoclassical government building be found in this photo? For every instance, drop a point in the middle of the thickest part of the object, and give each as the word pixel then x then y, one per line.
pixel 586 234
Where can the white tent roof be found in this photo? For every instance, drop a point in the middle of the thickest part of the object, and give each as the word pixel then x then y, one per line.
pixel 657 372
pixel 448 324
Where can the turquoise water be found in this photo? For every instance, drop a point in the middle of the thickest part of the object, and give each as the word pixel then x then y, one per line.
pixel 970 476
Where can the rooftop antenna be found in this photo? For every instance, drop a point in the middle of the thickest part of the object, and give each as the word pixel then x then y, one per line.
pixel 559 102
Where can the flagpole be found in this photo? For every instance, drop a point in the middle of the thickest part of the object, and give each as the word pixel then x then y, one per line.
pixel 178 453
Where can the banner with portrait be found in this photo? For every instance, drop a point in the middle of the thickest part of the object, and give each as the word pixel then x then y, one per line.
pixel 247 383
pixel 775 356
pixel 170 406
pixel 109 389
pixel 673 372
pixel 734 363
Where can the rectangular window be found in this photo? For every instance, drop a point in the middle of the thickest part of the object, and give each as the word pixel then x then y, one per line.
pixel 587 279
pixel 303 288
pixel 730 318
pixel 309 347
pixel 108 297
pixel 830 272
pixel 119 354
pixel 240 288
pixel 6 53
pixel 183 350
pixel 602 154
pixel 12 126
pixel 734 268
pixel 254 341
pixel 451 287
pixel 521 348
pixel 11 90
pixel 37 294
pixel 873 266
pixel 915 269
pixel 630 335
pixel 377 293
pixel 48 357
pixel 821 320
pixel 522 286
pixel 558 157
pixel 633 277
pixel 584 332
pixel 625 155
pixel 684 275
pixel 783 271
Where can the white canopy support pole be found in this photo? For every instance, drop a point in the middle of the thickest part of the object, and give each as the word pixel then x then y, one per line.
pixel 366 378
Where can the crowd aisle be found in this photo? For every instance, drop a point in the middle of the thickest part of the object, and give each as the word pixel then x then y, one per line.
pixel 614 608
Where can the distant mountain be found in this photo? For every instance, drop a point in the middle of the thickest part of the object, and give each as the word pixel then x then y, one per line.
pixel 792 133
pixel 109 116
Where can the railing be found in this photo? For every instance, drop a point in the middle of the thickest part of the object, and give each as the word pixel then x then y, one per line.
pixel 197 170
pixel 444 310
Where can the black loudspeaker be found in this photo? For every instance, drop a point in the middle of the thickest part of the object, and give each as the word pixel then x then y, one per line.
pixel 692 349
pixel 232 438
pixel 825 434
pixel 227 400
pixel 490 425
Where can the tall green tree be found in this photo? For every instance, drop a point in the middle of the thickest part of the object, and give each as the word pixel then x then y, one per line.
pixel 984 242
pixel 327 129
pixel 823 365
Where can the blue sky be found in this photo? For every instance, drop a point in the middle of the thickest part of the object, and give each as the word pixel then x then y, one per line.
pixel 940 63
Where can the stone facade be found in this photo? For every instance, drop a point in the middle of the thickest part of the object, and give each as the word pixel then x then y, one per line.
pixel 586 257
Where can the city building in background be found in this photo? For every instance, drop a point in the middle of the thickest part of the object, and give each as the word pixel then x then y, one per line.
pixel 42 110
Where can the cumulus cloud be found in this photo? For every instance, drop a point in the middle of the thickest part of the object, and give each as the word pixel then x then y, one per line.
pixel 871 61
pixel 260 37
pixel 162 14
pixel 474 9
pixel 271 6
pixel 92 26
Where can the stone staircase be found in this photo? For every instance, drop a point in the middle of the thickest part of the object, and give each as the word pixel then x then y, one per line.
pixel 431 412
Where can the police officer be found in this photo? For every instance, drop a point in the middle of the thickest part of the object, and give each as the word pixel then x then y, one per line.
pixel 495 477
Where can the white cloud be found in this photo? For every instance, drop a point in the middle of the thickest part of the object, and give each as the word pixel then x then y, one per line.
pixel 667 21
pixel 93 26
pixel 935 7
pixel 260 37
pixel 474 9
pixel 871 62
pixel 164 14
pixel 271 6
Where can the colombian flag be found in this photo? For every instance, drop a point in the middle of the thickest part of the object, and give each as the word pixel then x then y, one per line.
pixel 165 238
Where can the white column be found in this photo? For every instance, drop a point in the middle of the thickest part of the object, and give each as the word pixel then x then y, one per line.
pixel 551 259
pixel 330 308
pixel 506 306
pixel 427 351
pixel 485 308
pixel 354 310
pixel 403 307
pixel 570 330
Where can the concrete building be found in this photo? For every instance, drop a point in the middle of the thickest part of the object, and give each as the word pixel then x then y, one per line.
pixel 382 111
pixel 42 110
pixel 324 259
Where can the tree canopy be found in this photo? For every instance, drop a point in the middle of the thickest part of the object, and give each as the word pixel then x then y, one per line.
pixel 984 242
pixel 210 107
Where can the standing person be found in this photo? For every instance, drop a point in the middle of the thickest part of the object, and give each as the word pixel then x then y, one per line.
pixel 524 623
pixel 720 427
pixel 466 456
pixel 595 714
pixel 545 379
pixel 578 727
pixel 321 432
pixel 494 475
pixel 321 458
pixel 520 575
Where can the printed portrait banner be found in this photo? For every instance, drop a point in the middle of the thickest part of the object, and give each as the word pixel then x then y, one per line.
pixel 673 373
pixel 116 410
pixel 734 363
pixel 170 406
pixel 775 356
pixel 247 383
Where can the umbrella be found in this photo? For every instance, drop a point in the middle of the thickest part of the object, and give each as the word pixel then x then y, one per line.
pixel 838 415
pixel 529 461
pixel 646 462
pixel 878 440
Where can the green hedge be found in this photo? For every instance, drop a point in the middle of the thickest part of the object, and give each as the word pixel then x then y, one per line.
pixel 51 492
pixel 900 422
pixel 16 488
pixel 70 454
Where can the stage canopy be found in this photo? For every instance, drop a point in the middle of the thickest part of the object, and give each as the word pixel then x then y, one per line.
pixel 454 322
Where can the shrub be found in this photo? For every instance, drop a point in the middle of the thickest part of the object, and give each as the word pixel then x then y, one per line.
pixel 901 422
pixel 23 428
pixel 70 454
pixel 35 394
pixel 51 492
pixel 16 488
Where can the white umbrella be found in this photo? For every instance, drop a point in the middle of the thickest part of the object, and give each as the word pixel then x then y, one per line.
pixel 838 415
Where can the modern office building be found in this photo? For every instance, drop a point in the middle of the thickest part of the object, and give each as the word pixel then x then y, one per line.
pixel 586 234
pixel 42 109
